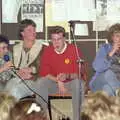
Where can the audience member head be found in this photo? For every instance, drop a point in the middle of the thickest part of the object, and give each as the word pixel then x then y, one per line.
pixel 27 29
pixel 58 38
pixel 57 30
pixel 27 109
pixel 35 116
pixel 114 31
pixel 6 104
pixel 4 43
pixel 100 106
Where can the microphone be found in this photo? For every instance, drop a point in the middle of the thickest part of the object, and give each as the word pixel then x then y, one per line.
pixel 6 58
pixel 71 23
pixel 13 69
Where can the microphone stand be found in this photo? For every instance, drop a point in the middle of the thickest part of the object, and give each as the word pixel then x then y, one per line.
pixel 79 60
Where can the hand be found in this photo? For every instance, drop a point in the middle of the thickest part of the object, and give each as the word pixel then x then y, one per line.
pixel 61 77
pixel 26 70
pixel 61 87
pixel 25 73
pixel 115 48
pixel 7 65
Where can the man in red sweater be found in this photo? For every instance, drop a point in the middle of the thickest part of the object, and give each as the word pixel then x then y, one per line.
pixel 60 70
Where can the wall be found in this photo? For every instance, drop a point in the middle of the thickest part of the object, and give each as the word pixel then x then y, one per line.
pixel 88 44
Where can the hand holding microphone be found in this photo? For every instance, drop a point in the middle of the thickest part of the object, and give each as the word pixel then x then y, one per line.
pixel 8 64
pixel 24 73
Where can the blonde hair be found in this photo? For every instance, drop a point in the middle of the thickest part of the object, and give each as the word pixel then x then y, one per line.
pixel 100 106
pixel 6 103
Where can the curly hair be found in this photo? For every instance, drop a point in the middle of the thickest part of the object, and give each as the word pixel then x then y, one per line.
pixel 113 29
pixel 6 104
pixel 4 39
pixel 100 106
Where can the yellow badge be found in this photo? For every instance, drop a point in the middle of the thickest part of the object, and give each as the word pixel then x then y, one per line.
pixel 67 61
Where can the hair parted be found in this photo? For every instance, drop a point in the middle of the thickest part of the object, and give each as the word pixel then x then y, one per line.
pixel 4 39
pixel 25 23
pixel 57 29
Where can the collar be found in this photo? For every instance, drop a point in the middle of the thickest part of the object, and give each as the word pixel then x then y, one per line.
pixel 34 52
pixel 63 50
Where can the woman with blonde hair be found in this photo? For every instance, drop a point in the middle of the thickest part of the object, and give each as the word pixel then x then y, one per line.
pixel 6 104
pixel 99 106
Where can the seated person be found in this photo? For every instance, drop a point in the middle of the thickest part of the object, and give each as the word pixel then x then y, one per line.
pixel 60 71
pixel 5 66
pixel 107 64
pixel 100 106
pixel 26 60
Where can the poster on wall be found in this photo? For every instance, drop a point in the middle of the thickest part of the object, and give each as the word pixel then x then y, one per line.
pixel 113 9
pixel 30 9
pixel 73 10
pixel 83 10
pixel 108 13
pixel 33 9
pixel 10 10
pixel 59 10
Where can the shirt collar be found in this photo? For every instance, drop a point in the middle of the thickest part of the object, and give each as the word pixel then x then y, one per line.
pixel 63 50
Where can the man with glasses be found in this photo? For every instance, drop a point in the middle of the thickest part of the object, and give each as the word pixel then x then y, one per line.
pixel 60 71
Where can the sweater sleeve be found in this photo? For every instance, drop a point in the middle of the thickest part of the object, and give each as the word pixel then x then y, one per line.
pixel 102 62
